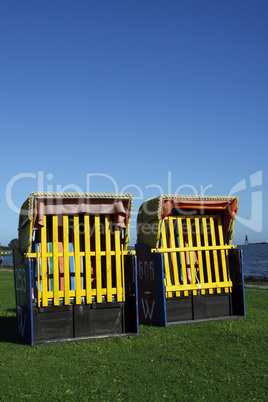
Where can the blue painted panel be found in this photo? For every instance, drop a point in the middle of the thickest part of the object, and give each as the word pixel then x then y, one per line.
pixel 243 283
pixel 150 286
pixel 23 292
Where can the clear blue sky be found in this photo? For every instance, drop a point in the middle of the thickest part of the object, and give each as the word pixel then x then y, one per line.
pixel 140 96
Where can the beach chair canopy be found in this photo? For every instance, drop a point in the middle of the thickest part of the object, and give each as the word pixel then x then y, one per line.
pixel 39 204
pixel 154 211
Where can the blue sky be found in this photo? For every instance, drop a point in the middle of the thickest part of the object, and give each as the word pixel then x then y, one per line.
pixel 140 96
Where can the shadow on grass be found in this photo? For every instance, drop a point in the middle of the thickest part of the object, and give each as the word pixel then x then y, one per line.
pixel 9 329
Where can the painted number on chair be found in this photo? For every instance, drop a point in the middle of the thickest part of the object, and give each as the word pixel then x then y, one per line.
pixel 20 280
pixel 146 270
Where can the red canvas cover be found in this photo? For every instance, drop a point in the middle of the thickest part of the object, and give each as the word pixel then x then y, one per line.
pixel 70 206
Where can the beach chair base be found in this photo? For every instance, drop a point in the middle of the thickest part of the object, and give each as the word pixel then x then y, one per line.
pixel 37 325
pixel 199 307
pixel 157 309
pixel 74 322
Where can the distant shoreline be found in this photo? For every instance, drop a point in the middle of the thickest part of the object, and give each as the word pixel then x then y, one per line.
pixel 249 244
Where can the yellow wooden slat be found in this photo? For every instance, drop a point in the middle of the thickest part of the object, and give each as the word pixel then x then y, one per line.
pixel 159 231
pixel 103 253
pixel 55 259
pixel 108 258
pixel 212 285
pixel 38 277
pixel 77 260
pixel 123 271
pixel 192 259
pixel 186 249
pixel 174 255
pixel 66 263
pixel 182 254
pixel 98 258
pixel 228 270
pixel 223 253
pixel 231 231
pixel 199 253
pixel 44 262
pixel 118 264
pixel 127 238
pixel 215 253
pixel 166 258
pixel 30 237
pixel 207 254
pixel 87 259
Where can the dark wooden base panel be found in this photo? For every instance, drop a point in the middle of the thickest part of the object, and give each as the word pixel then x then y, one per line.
pixel 198 307
pixel 73 322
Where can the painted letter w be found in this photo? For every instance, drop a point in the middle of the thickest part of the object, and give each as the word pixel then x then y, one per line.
pixel 146 310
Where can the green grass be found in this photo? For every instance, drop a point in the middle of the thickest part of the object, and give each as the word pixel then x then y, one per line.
pixel 224 360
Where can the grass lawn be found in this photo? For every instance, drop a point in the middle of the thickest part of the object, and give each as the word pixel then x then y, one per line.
pixel 224 360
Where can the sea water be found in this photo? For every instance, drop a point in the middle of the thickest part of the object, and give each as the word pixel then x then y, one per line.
pixel 7 260
pixel 255 259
